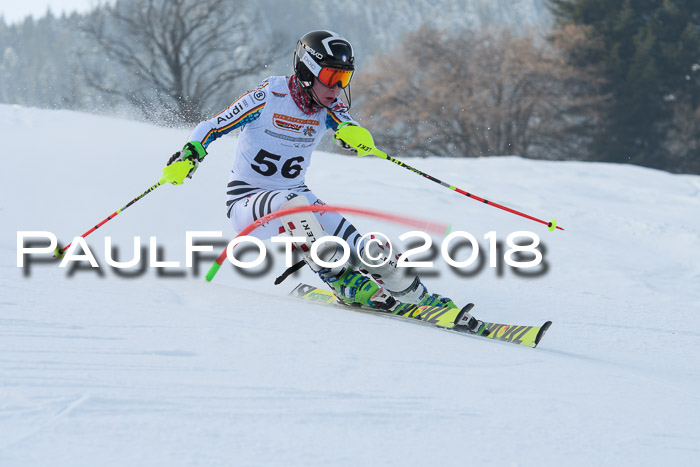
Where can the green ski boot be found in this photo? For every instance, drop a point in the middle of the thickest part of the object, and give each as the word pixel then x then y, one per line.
pixel 352 287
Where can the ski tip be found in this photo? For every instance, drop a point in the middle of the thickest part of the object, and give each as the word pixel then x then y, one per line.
pixel 541 332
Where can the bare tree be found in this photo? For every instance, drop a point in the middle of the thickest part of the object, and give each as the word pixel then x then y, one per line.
pixel 476 94
pixel 175 56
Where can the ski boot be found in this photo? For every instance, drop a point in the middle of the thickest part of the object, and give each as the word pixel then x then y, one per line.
pixel 351 287
pixel 417 294
pixel 437 300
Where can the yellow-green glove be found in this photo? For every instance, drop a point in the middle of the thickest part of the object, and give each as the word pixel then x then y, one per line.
pixel 184 163
pixel 358 138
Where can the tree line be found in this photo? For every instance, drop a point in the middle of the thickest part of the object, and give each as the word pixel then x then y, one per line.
pixel 176 61
pixel 615 81
pixel 171 62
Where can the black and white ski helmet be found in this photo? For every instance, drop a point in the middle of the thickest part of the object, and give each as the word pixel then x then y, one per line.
pixel 320 49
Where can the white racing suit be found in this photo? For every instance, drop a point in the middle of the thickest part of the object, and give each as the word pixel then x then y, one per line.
pixel 273 152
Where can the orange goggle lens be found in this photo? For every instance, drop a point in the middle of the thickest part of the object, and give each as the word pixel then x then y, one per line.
pixel 332 76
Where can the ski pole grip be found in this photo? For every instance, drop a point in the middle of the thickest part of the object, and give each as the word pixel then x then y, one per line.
pixel 176 172
pixel 360 139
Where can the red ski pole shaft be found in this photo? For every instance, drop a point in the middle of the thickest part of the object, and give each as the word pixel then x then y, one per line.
pixel 551 224
pixel 360 139
pixel 59 252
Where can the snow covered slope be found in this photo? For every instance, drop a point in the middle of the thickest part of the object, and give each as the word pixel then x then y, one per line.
pixel 98 369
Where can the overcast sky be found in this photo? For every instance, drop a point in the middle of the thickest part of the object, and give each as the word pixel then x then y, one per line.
pixel 17 10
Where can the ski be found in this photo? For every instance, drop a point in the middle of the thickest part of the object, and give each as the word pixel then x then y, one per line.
pixel 446 318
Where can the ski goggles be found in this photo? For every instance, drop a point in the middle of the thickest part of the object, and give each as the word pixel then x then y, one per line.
pixel 333 76
pixel 326 75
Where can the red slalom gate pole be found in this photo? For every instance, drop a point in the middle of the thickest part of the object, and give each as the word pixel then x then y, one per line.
pixel 439 228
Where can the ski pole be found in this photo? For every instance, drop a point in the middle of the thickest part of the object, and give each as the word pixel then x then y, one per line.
pixel 360 139
pixel 173 173
pixel 58 253
pixel 551 225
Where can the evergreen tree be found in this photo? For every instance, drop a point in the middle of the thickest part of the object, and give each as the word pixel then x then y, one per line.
pixel 650 49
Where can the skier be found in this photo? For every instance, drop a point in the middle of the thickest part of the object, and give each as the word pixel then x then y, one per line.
pixel 281 122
